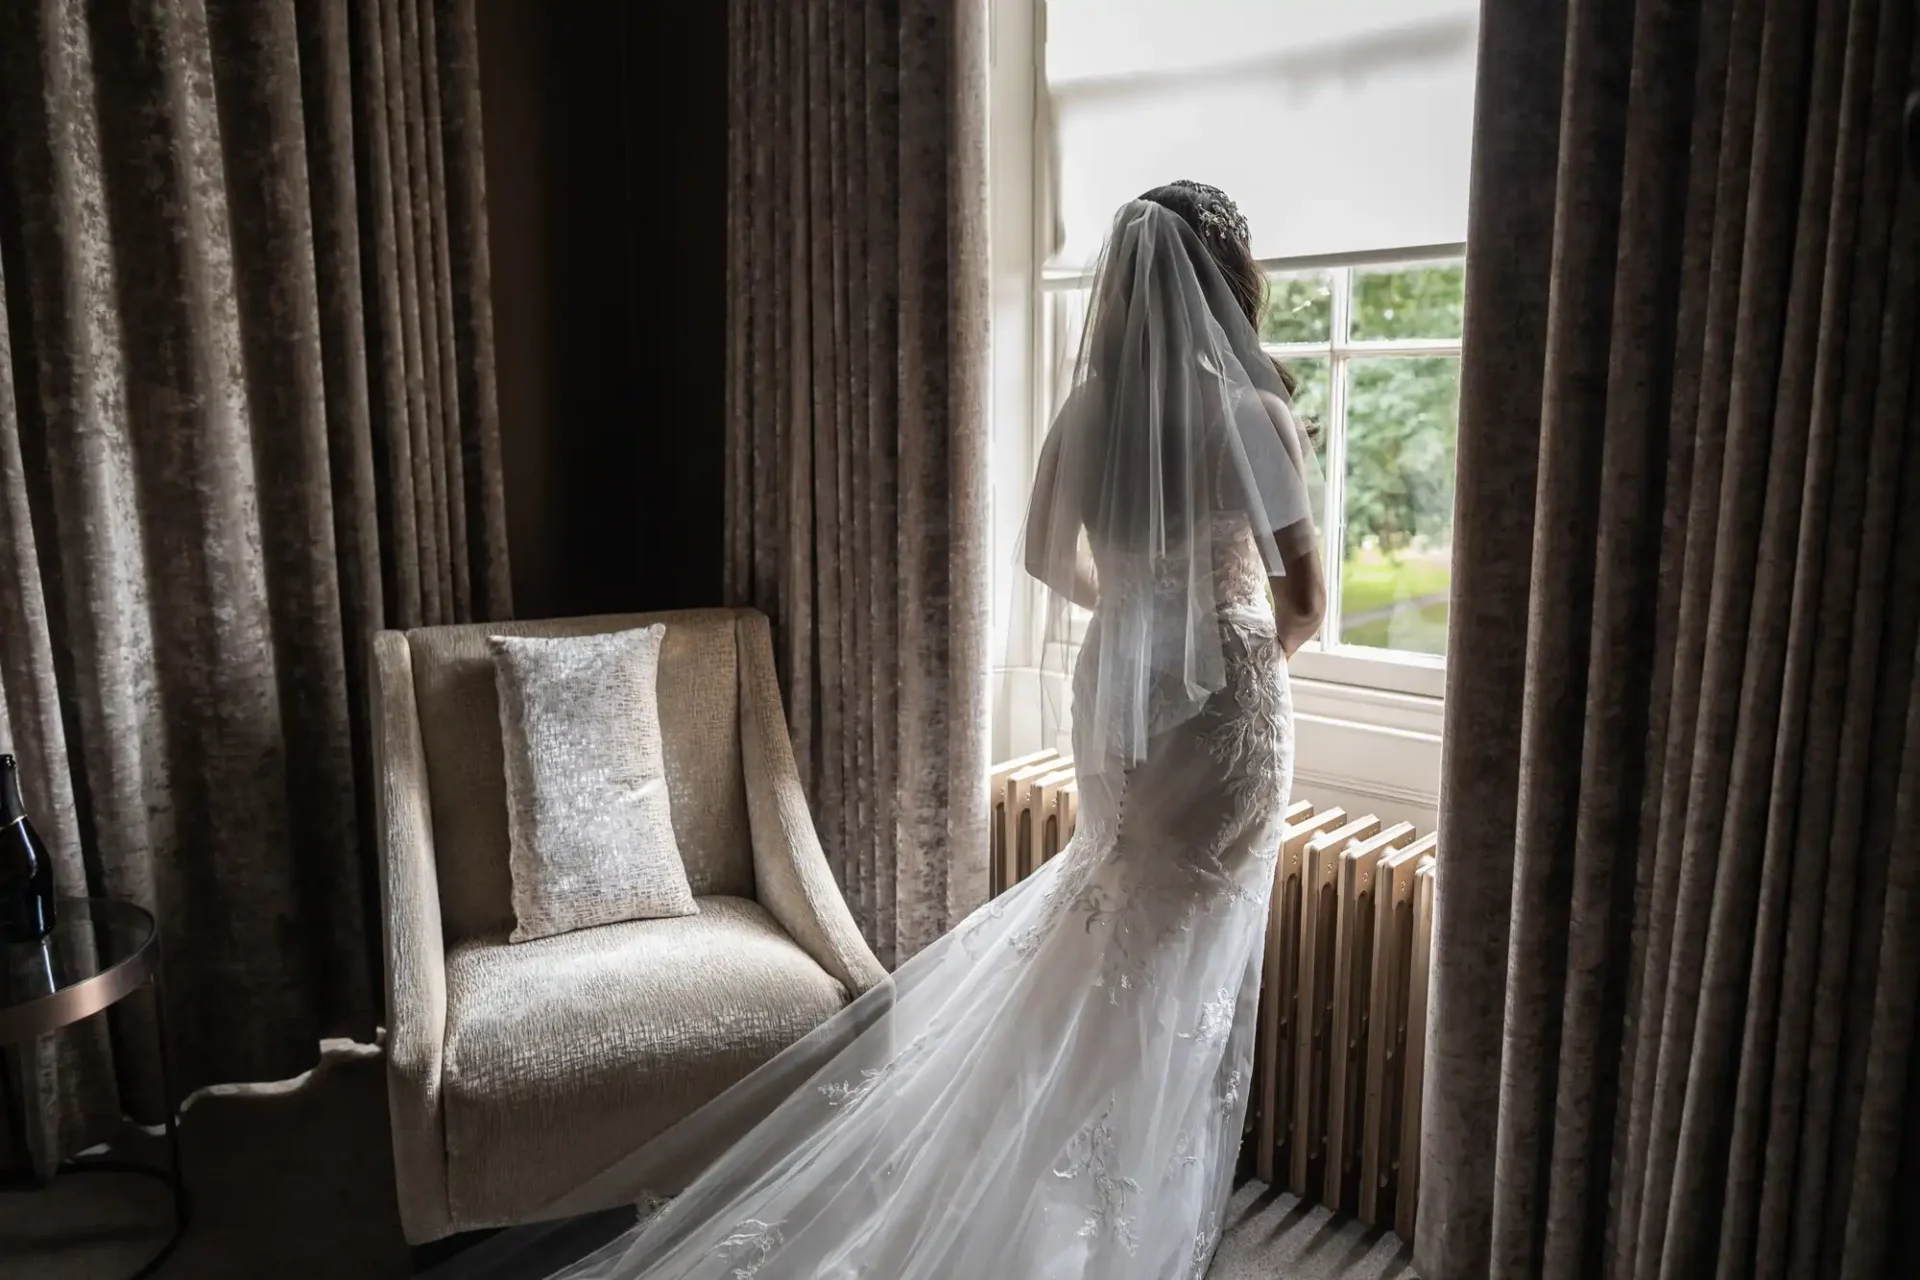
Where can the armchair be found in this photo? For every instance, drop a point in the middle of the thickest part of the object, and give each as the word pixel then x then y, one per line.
pixel 517 1071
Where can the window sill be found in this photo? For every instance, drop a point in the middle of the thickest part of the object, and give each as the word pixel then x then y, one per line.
pixel 1410 675
pixel 1368 749
pixel 1386 710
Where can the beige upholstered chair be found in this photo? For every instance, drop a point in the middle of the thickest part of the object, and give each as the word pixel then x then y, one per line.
pixel 516 1071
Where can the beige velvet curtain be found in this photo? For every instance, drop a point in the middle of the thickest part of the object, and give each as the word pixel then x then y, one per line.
pixel 856 501
pixel 246 418
pixel 1677 946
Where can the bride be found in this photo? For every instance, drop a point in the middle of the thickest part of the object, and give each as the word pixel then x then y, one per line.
pixel 1058 1087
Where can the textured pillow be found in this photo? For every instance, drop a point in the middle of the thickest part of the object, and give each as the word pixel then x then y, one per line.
pixel 591 837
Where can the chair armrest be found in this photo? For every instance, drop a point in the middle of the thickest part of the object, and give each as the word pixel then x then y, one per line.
pixel 415 951
pixel 789 867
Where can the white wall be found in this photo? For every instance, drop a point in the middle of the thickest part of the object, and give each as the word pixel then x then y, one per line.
pixel 1013 58
pixel 1368 751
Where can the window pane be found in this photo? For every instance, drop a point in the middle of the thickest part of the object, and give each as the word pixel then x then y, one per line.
pixel 1299 309
pixel 1398 529
pixel 1408 302
pixel 1066 323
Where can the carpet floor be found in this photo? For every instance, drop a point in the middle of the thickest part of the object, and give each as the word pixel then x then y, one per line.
pixel 294 1180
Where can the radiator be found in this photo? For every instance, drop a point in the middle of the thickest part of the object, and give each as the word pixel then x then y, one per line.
pixel 1340 1047
pixel 1034 807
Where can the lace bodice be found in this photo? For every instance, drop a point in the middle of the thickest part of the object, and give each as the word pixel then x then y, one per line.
pixel 1162 641
pixel 1233 569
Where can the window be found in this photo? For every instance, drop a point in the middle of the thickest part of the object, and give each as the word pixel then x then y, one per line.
pixel 1343 131
pixel 1374 342
pixel 1375 346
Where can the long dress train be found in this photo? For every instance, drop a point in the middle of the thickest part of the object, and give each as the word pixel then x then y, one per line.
pixel 1058 1087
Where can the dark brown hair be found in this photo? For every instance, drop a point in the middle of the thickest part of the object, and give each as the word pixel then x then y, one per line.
pixel 1217 221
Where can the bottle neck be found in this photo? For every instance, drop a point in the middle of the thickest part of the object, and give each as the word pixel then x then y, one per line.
pixel 12 809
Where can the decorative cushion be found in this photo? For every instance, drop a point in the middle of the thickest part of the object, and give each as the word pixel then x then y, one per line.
pixel 590 832
pixel 457 700
pixel 566 1054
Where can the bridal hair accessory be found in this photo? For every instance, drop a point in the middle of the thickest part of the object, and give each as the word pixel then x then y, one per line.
pixel 1219 215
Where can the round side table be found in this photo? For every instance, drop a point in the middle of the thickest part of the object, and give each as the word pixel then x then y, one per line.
pixel 100 952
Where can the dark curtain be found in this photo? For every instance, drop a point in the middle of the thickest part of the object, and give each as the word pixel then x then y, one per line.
pixel 1677 940
pixel 857 448
pixel 247 418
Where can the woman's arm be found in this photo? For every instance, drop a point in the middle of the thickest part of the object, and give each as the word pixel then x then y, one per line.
pixel 1300 593
pixel 1079 583
pixel 1052 539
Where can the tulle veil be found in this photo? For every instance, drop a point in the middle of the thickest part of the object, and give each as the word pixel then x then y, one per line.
pixel 1176 419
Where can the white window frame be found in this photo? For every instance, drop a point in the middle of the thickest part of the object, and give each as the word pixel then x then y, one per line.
pixel 1325 658
pixel 1392 670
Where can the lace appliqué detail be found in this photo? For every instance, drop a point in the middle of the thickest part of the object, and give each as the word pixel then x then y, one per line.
pixel 1074 891
pixel 1093 1154
pixel 1230 1091
pixel 1215 1023
pixel 845 1095
pixel 1253 746
pixel 1184 1157
pixel 969 934
pixel 1128 965
pixel 752 1244
pixel 1104 897
pixel 1203 1246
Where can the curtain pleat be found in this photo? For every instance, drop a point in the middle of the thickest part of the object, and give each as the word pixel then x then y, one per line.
pixel 1677 936
pixel 246 419
pixel 857 440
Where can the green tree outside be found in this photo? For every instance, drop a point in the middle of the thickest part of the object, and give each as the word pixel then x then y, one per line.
pixel 1397 525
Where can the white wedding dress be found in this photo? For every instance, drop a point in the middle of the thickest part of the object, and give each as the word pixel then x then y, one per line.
pixel 1058 1087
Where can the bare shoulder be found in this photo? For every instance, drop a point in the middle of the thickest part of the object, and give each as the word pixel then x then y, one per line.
pixel 1276 406
pixel 1284 422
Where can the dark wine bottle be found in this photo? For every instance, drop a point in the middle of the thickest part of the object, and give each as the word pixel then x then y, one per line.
pixel 26 872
